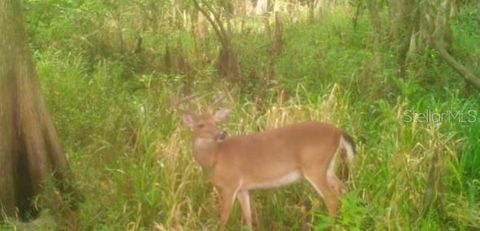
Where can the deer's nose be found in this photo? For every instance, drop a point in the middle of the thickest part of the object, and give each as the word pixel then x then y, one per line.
pixel 221 136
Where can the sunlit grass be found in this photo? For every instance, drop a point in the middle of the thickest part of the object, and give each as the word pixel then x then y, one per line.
pixel 132 159
pixel 137 172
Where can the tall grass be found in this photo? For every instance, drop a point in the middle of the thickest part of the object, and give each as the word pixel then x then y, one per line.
pixel 132 158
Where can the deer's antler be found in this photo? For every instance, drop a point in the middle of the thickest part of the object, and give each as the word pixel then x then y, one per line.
pixel 222 97
pixel 175 103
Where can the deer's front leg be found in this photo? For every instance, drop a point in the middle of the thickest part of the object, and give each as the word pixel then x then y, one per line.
pixel 244 199
pixel 228 196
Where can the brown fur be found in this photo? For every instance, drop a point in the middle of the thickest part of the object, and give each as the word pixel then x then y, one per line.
pixel 267 160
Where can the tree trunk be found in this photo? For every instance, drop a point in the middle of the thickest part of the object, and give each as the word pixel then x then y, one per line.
pixel 248 7
pixel 227 63
pixel 29 147
pixel 261 7
pixel 200 29
pixel 373 11
pixel 311 11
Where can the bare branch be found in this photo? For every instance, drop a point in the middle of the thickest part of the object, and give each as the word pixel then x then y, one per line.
pixel 460 68
pixel 213 21
pixel 436 29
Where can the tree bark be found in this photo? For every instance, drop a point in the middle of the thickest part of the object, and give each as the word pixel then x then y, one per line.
pixel 30 151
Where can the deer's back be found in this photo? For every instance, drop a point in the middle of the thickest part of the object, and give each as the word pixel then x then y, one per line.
pixel 278 151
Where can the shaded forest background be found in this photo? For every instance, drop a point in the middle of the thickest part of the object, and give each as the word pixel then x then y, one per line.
pixel 107 69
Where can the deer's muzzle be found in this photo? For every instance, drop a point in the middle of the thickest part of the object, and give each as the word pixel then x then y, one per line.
pixel 221 136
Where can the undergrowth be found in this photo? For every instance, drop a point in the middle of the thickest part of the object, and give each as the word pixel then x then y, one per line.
pixel 418 140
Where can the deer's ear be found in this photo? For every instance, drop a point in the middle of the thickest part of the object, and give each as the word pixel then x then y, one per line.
pixel 188 119
pixel 221 114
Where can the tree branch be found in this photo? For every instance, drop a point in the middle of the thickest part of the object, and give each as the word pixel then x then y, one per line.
pixel 217 28
pixel 460 68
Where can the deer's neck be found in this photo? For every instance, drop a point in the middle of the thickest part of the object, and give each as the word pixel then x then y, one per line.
pixel 205 151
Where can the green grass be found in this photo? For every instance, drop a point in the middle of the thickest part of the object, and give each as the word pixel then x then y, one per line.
pixel 131 154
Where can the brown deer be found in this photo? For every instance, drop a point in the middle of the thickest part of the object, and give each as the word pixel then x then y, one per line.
pixel 268 159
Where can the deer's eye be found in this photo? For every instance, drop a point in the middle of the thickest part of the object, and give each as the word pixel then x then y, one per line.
pixel 200 125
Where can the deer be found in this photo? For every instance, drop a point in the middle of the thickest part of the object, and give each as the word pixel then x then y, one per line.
pixel 268 159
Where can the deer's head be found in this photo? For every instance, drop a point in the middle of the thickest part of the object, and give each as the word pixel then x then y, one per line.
pixel 205 126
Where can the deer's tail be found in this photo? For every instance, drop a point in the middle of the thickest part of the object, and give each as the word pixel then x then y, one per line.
pixel 348 145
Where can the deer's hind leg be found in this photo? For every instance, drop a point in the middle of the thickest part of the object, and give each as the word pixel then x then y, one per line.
pixel 335 183
pixel 320 174
pixel 320 183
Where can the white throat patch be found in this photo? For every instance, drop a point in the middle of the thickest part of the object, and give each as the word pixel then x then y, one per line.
pixel 202 143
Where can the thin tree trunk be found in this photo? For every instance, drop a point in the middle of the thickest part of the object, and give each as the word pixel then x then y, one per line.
pixel 29 147
pixel 227 63
pixel 311 11
pixel 261 7
pixel 358 12
pixel 248 7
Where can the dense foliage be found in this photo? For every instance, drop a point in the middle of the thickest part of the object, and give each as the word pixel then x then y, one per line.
pixel 107 69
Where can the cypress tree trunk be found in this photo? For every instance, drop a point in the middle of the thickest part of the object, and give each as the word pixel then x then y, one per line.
pixel 30 151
